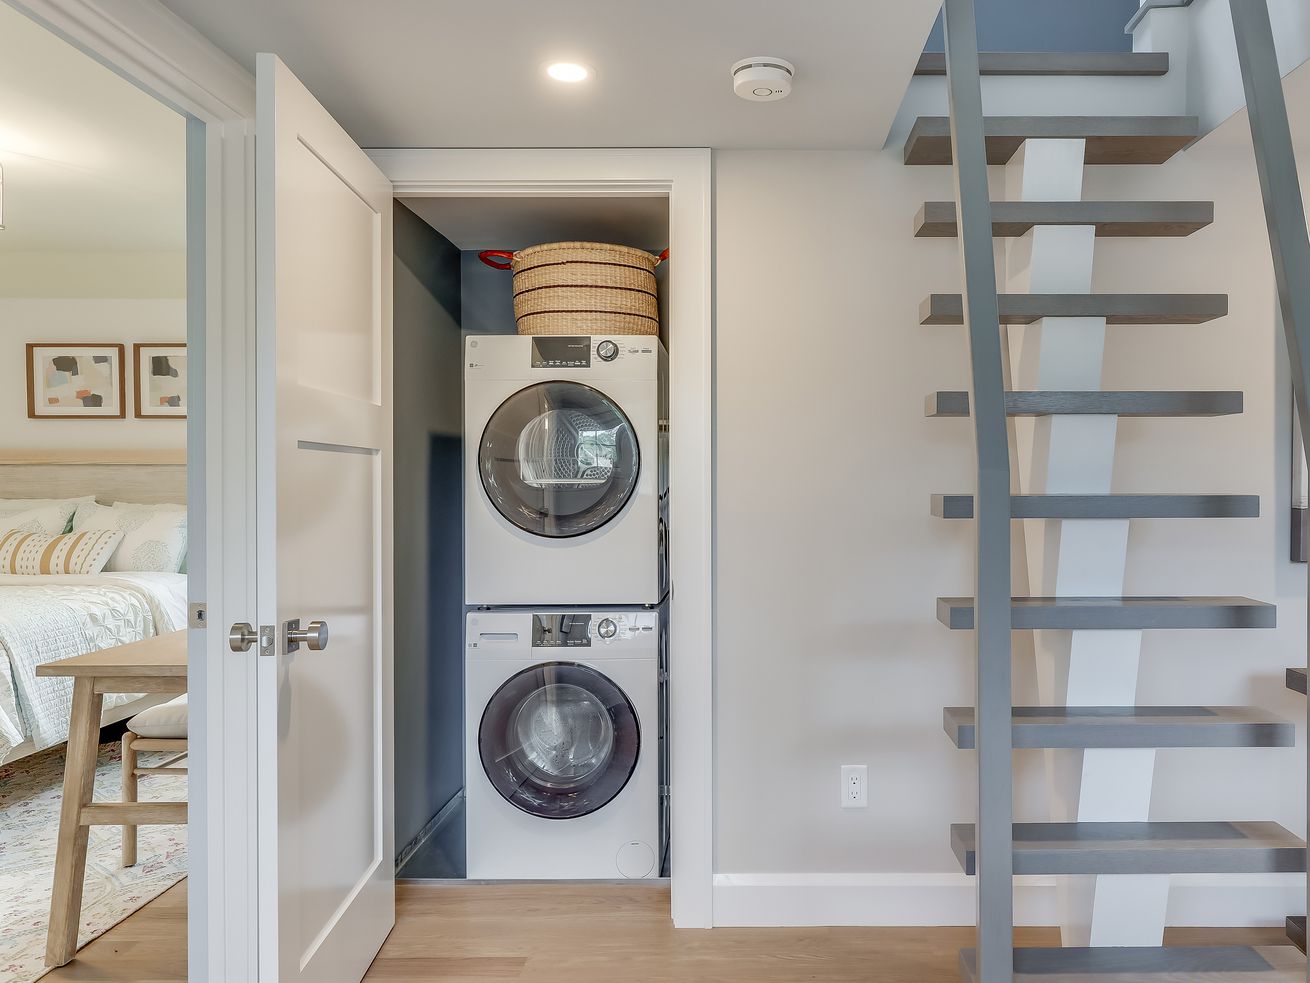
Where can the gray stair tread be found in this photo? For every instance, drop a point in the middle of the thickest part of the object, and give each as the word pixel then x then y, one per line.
pixel 1111 218
pixel 1055 63
pixel 1172 964
pixel 1296 680
pixel 1132 727
pixel 1121 613
pixel 1054 403
pixel 1296 930
pixel 1109 506
pixel 1110 139
pixel 1115 308
pixel 1144 848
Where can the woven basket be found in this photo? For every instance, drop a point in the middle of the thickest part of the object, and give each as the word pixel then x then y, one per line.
pixel 581 288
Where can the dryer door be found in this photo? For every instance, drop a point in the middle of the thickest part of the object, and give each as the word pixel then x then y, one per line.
pixel 559 740
pixel 559 459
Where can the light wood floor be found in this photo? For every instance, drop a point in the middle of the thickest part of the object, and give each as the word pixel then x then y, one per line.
pixel 586 934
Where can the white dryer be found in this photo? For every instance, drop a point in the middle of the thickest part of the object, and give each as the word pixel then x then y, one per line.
pixel 565 470
pixel 562 747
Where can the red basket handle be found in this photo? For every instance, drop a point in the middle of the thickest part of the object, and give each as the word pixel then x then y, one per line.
pixel 489 256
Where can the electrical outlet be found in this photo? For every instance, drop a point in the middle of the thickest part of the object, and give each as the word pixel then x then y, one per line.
pixel 854 786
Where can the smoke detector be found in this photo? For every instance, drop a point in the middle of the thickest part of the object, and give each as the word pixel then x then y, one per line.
pixel 762 79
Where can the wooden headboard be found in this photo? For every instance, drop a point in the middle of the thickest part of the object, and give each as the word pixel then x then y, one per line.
pixel 146 476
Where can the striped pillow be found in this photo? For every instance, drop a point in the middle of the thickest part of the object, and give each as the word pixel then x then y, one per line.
pixel 33 553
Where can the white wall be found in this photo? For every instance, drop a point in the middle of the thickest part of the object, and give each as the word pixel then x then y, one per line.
pixel 829 563
pixel 124 321
pixel 70 273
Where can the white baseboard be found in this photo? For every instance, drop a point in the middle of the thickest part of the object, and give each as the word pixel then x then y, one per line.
pixel 1209 901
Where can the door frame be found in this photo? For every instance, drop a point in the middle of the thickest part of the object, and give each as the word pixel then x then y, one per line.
pixel 684 176
pixel 154 49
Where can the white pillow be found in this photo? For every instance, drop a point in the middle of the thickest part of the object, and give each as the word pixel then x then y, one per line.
pixel 152 539
pixel 165 720
pixel 50 519
pixel 9 506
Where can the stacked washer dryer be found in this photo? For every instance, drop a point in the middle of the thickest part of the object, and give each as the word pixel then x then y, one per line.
pixel 566 571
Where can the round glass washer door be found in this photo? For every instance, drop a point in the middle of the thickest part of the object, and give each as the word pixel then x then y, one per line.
pixel 559 459
pixel 559 740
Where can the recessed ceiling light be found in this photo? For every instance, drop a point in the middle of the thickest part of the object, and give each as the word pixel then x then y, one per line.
pixel 568 71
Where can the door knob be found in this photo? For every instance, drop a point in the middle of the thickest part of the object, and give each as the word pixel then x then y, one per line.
pixel 241 637
pixel 315 636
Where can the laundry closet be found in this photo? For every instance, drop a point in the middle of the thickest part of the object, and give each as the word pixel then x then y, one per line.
pixel 531 531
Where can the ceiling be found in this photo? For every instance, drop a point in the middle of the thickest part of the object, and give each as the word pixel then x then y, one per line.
pixel 91 163
pixel 417 73
pixel 515 222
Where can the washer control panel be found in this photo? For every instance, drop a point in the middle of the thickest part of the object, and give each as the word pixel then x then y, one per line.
pixel 580 630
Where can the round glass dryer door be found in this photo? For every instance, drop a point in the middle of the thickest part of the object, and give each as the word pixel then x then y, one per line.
pixel 559 740
pixel 559 459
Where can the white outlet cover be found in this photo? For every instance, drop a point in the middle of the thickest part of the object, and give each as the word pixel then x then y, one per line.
pixel 854 786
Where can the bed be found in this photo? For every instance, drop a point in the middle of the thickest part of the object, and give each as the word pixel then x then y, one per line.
pixel 44 618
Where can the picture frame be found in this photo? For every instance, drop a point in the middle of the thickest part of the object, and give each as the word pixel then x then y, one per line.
pixel 71 381
pixel 160 392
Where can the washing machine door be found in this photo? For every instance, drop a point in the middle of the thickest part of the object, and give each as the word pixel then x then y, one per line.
pixel 559 459
pixel 559 740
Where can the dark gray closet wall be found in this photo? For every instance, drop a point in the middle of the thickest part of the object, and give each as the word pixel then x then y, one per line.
pixel 488 297
pixel 1049 25
pixel 429 588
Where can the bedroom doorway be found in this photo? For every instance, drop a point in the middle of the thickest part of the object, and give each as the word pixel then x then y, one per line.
pixel 94 406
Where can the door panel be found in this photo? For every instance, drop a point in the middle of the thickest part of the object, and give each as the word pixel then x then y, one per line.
pixel 323 217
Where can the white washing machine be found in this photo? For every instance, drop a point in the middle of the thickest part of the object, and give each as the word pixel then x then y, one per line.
pixel 562 746
pixel 565 495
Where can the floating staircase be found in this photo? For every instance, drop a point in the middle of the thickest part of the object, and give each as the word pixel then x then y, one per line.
pixel 1096 403
pixel 1130 727
pixel 1110 219
pixel 1110 507
pixel 1110 139
pixel 1114 743
pixel 1116 613
pixel 1143 848
pixel 1132 63
pixel 1201 964
pixel 1115 308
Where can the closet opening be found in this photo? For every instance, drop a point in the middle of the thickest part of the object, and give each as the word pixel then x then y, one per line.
pixel 530 530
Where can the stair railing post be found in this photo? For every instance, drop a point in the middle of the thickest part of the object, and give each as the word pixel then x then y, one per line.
pixel 992 591
pixel 1275 162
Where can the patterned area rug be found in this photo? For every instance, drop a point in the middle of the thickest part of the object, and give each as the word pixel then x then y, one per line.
pixel 30 792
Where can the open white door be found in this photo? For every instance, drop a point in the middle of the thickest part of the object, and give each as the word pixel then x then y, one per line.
pixel 323 429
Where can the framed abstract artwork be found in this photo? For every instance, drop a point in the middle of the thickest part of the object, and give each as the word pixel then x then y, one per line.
pixel 161 381
pixel 67 381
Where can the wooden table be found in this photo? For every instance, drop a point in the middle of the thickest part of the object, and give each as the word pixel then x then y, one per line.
pixel 156 665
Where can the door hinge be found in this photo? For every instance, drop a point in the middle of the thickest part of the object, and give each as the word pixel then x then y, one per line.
pixel 197 615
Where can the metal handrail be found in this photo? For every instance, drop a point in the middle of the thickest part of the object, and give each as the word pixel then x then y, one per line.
pixel 1148 6
pixel 1280 187
pixel 993 712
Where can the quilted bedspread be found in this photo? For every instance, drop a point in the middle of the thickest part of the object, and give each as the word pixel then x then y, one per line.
pixel 43 621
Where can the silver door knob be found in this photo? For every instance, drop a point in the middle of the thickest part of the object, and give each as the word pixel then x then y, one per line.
pixel 315 636
pixel 241 637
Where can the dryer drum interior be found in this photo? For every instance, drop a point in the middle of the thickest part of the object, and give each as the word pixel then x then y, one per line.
pixel 559 740
pixel 559 459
